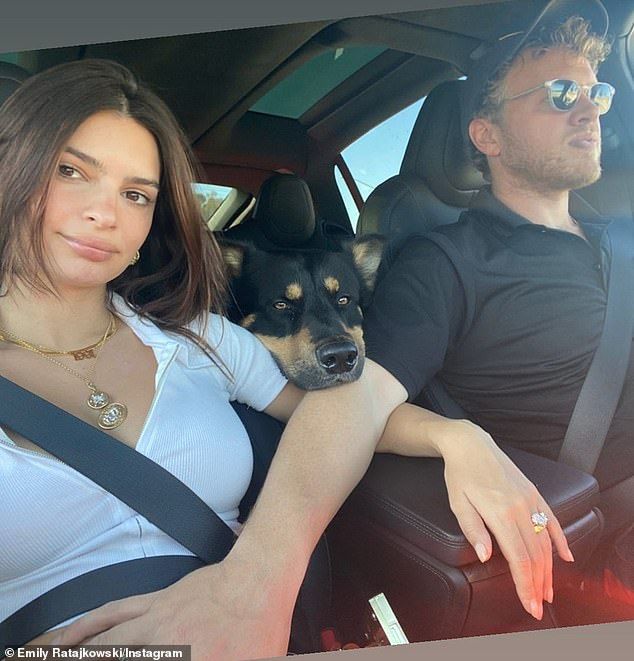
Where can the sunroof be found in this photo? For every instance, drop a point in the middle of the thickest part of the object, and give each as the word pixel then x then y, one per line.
pixel 11 58
pixel 294 95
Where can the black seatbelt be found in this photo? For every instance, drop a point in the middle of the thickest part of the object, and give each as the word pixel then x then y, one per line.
pixel 599 396
pixel 143 575
pixel 91 590
pixel 159 496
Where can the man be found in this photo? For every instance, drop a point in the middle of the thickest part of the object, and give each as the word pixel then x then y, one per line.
pixel 511 325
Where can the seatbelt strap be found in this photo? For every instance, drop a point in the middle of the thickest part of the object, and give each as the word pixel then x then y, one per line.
pixel 129 475
pixel 601 390
pixel 91 590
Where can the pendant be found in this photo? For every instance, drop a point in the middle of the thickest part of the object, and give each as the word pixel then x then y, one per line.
pixel 98 399
pixel 83 354
pixel 112 415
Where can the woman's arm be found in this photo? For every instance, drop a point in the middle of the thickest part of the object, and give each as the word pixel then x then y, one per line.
pixel 284 405
pixel 242 607
pixel 487 492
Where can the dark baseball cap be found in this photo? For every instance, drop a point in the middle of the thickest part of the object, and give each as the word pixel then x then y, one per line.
pixel 489 57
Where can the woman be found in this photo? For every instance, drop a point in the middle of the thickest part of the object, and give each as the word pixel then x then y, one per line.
pixel 107 277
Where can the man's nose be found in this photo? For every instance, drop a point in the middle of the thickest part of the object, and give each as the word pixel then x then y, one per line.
pixel 585 111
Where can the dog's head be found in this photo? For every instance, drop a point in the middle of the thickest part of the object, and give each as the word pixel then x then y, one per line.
pixel 306 306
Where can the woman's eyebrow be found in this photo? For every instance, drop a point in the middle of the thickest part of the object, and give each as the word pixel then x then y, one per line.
pixel 91 160
pixel 143 182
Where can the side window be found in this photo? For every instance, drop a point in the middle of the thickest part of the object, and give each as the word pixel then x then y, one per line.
pixel 376 156
pixel 220 204
pixel 210 197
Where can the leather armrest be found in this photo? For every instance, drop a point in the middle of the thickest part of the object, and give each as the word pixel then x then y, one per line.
pixel 407 497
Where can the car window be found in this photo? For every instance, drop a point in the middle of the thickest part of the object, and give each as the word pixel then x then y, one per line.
pixel 210 197
pixel 220 204
pixel 376 156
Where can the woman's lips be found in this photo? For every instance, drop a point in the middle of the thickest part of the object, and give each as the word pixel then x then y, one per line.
pixel 94 250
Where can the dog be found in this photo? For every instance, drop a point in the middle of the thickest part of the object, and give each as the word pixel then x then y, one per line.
pixel 306 305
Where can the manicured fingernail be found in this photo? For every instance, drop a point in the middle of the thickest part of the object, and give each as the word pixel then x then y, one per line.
pixel 536 610
pixel 481 551
pixel 550 596
pixel 569 556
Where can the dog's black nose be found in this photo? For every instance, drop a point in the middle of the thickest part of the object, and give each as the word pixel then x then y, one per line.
pixel 338 356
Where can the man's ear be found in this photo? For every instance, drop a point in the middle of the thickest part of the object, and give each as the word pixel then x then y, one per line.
pixel 233 253
pixel 485 136
pixel 367 253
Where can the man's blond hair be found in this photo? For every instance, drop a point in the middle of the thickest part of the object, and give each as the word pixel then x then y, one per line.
pixel 573 35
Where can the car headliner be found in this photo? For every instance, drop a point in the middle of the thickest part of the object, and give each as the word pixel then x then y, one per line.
pixel 211 80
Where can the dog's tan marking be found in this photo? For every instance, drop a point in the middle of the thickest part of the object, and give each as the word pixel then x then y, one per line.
pixel 294 352
pixel 356 333
pixel 248 321
pixel 332 284
pixel 367 253
pixel 233 256
pixel 294 291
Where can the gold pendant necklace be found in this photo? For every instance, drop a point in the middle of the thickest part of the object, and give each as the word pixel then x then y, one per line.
pixel 111 414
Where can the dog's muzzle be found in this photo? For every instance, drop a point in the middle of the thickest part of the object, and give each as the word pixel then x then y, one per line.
pixel 338 356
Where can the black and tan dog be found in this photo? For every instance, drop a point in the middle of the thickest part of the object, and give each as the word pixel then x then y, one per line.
pixel 306 306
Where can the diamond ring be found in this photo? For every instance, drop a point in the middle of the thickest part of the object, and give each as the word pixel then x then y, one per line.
pixel 539 521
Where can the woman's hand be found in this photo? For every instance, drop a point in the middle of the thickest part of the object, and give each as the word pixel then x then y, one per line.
pixel 488 493
pixel 222 611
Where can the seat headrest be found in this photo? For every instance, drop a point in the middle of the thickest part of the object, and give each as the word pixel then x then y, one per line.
pixel 11 77
pixel 436 152
pixel 284 211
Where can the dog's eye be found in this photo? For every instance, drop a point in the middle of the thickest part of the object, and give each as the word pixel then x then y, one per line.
pixel 280 305
pixel 343 300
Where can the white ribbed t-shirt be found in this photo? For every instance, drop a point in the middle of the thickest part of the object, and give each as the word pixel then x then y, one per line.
pixel 56 524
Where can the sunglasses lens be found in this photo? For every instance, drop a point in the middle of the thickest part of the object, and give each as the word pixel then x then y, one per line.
pixel 564 94
pixel 601 95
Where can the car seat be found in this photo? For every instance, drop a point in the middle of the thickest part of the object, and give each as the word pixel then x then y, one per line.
pixel 437 180
pixel 436 183
pixel 284 218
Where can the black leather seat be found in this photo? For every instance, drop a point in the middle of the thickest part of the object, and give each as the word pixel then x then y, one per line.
pixel 436 183
pixel 11 77
pixel 284 218
pixel 437 179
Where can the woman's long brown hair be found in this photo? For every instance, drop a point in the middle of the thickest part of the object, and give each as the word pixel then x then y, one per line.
pixel 180 276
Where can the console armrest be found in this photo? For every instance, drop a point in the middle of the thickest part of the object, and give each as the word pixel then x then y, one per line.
pixel 407 497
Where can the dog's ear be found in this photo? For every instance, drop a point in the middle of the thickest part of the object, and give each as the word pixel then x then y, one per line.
pixel 233 253
pixel 367 252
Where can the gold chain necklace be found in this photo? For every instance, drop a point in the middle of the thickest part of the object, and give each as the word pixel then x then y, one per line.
pixel 112 414
pixel 77 354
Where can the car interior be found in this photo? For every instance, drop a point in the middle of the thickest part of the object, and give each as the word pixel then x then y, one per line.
pixel 270 112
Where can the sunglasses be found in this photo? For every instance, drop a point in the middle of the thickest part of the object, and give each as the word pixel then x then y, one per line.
pixel 563 94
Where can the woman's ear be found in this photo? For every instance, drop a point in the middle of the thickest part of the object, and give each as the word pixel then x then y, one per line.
pixel 485 135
